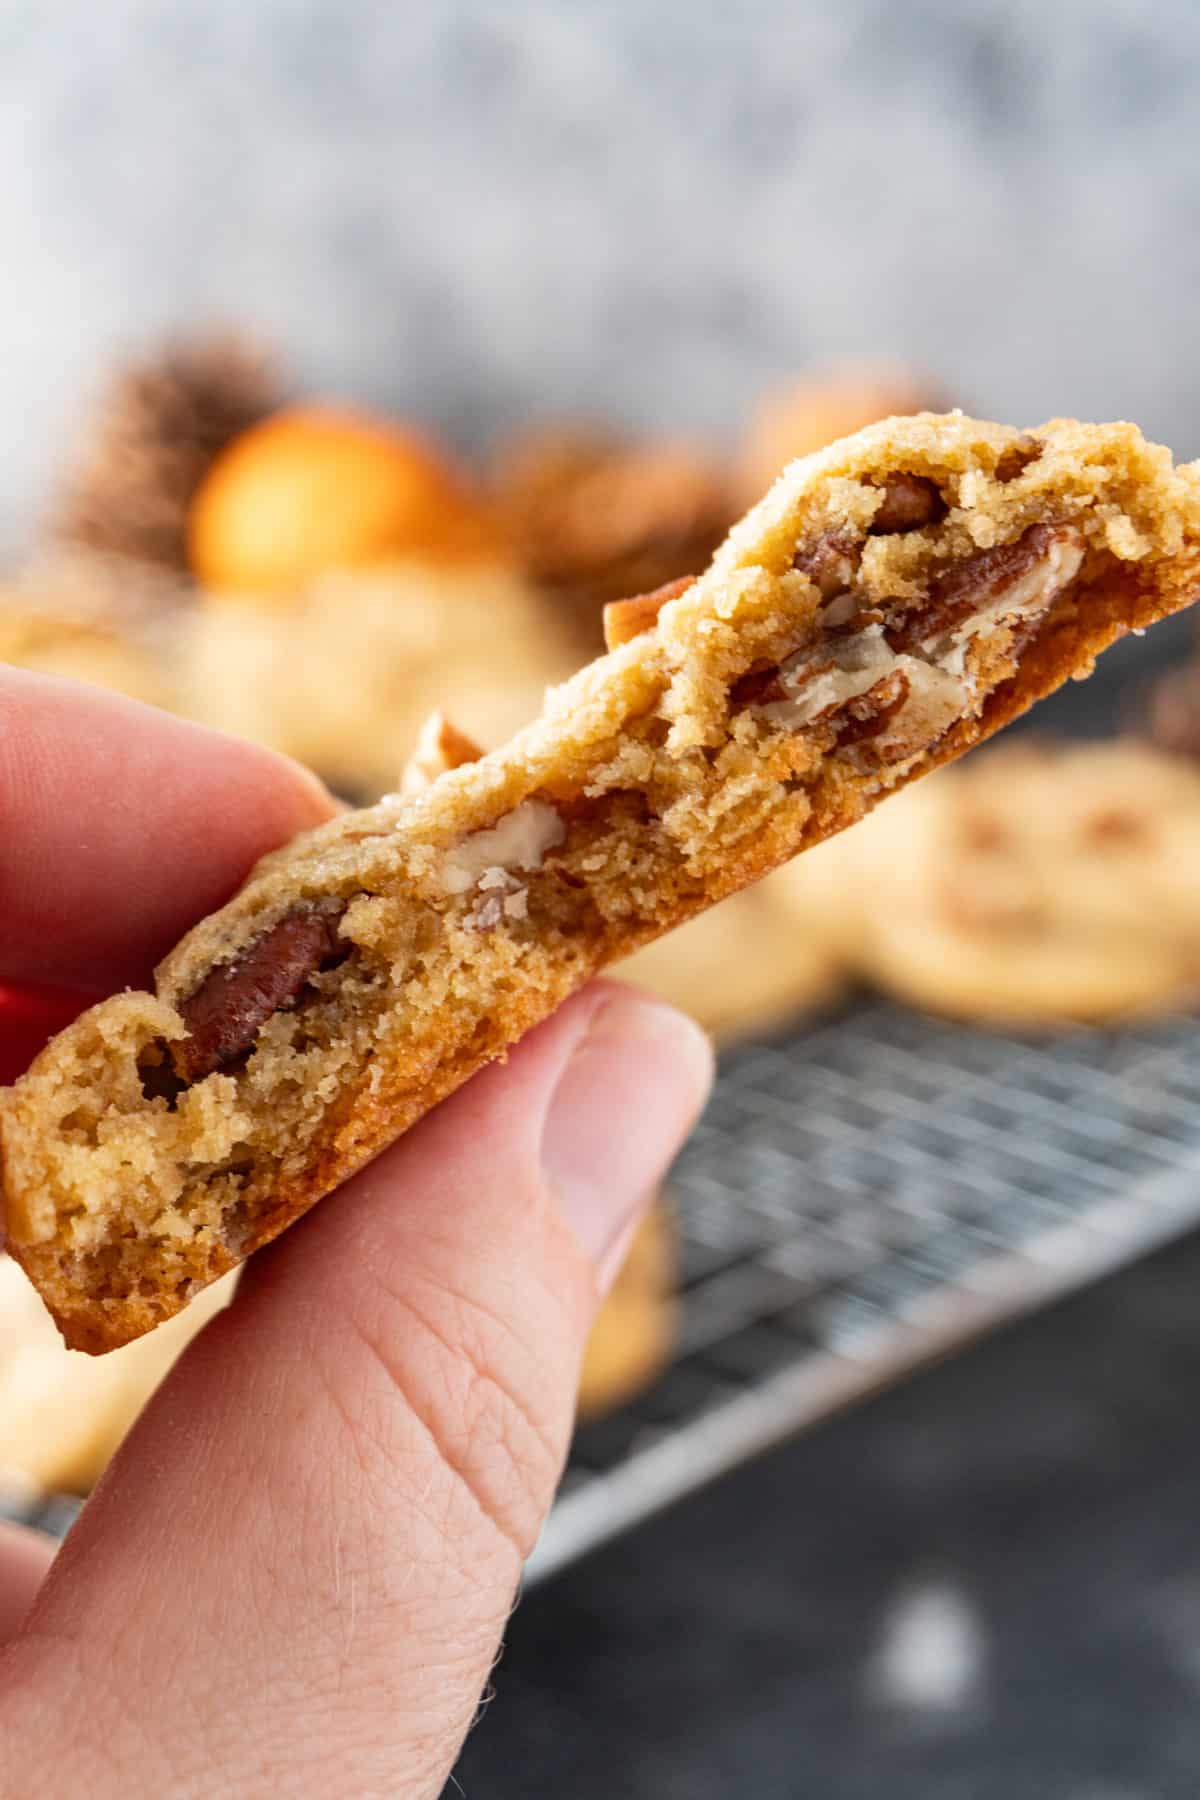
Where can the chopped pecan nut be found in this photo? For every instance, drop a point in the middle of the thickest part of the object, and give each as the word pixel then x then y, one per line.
pixel 235 1000
pixel 439 746
pixel 988 572
pixel 1017 458
pixel 869 714
pixel 626 619
pixel 829 563
pixel 909 501
pixel 757 687
pixel 985 580
pixel 859 621
pixel 486 913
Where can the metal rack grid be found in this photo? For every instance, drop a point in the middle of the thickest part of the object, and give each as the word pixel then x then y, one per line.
pixel 861 1196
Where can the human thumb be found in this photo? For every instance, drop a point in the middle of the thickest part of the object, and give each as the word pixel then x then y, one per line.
pixel 296 1574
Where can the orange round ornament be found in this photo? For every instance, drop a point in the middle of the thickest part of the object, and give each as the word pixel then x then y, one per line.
pixel 313 488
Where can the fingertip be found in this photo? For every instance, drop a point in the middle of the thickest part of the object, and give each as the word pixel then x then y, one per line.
pixel 304 789
pixel 624 1103
pixel 25 1558
pixel 124 825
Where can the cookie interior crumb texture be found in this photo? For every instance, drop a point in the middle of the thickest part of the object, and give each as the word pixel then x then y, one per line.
pixel 894 599
pixel 746 964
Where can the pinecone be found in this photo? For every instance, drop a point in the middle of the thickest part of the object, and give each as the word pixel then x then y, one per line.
pixel 157 431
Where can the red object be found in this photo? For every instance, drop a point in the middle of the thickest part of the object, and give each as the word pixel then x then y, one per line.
pixel 29 1017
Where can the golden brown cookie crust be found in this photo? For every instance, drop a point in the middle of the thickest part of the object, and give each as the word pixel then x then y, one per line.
pixel 817 665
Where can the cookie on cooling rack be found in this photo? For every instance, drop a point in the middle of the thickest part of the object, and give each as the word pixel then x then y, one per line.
pixel 1035 885
pixel 750 964
pixel 634 1331
pixel 62 1415
pixel 893 601
pixel 85 618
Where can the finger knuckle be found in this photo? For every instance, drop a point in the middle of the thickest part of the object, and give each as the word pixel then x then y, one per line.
pixel 494 1408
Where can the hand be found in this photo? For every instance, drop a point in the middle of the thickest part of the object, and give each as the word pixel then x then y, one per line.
pixel 295 1576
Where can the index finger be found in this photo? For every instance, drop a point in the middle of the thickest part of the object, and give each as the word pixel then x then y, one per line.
pixel 121 826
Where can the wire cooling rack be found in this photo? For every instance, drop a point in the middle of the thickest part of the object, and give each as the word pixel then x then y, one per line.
pixel 862 1196
pixel 865 1195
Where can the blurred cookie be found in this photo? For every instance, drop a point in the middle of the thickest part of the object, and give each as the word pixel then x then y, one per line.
pixel 78 617
pixel 593 517
pixel 750 964
pixel 634 1332
pixel 62 1414
pixel 343 678
pixel 826 405
pixel 1035 885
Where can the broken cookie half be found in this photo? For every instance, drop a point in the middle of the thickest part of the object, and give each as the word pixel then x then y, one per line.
pixel 893 600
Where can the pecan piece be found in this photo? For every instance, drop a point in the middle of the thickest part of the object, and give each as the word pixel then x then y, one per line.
pixel 626 619
pixel 486 913
pixel 235 1000
pixel 1017 458
pixel 439 746
pixel 987 579
pixel 870 713
pixel 909 501
pixel 850 627
pixel 829 563
pixel 757 687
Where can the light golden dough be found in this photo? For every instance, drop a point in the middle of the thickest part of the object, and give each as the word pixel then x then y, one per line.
pixel 892 601
pixel 745 965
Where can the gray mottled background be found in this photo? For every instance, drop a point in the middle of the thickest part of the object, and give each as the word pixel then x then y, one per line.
pixel 474 210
